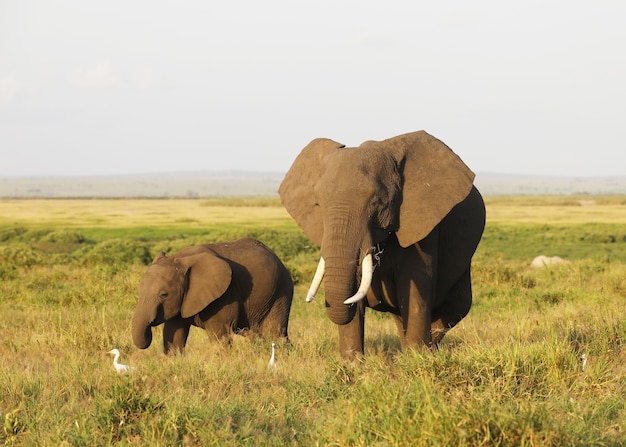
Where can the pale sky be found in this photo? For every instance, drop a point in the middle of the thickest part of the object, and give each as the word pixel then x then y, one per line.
pixel 137 86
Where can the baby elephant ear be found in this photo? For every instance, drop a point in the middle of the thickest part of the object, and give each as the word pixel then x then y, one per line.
pixel 208 279
pixel 160 255
pixel 435 180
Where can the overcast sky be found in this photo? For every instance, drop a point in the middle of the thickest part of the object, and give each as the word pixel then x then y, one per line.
pixel 137 86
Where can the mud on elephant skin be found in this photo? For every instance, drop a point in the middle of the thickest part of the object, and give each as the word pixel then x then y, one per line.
pixel 219 287
pixel 408 201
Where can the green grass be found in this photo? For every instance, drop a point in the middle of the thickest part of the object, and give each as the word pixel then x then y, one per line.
pixel 508 375
pixel 572 241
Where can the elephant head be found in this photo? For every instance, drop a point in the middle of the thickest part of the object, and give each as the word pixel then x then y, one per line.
pixel 181 286
pixel 348 200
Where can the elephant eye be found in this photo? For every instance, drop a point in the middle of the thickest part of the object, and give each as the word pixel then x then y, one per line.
pixel 163 295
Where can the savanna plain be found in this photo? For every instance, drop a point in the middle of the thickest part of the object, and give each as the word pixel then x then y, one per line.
pixel 510 374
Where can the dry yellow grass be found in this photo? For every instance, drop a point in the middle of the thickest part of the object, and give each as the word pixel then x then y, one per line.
pixel 106 213
pixel 135 212
pixel 502 212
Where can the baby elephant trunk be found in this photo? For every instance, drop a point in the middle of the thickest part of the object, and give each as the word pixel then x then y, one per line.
pixel 142 330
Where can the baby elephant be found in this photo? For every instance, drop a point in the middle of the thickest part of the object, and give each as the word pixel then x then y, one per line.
pixel 219 287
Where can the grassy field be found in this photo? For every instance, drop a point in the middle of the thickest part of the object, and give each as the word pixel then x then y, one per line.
pixel 510 374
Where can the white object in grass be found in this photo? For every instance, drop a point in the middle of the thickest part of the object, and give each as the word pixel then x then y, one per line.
pixel 272 362
pixel 583 361
pixel 120 368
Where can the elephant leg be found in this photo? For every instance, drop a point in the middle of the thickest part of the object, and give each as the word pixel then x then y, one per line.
pixel 415 316
pixel 455 307
pixel 352 334
pixel 400 325
pixel 276 321
pixel 175 333
pixel 415 284
pixel 274 325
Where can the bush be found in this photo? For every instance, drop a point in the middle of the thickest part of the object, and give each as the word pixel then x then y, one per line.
pixel 64 237
pixel 116 251
pixel 12 233
pixel 20 254
pixel 286 244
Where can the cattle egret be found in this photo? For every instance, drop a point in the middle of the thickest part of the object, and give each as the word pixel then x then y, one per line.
pixel 272 362
pixel 120 368
pixel 583 361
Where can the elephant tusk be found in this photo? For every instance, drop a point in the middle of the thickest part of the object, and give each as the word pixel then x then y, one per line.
pixel 317 280
pixel 367 271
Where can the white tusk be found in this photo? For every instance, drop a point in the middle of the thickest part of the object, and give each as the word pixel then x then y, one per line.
pixel 367 271
pixel 317 280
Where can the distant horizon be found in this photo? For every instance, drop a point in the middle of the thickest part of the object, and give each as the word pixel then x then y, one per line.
pixel 273 172
pixel 204 183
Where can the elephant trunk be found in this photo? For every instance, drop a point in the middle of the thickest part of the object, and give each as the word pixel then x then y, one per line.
pixel 339 284
pixel 343 244
pixel 142 329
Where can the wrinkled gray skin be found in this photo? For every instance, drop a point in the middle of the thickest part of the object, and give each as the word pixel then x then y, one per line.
pixel 218 287
pixel 409 196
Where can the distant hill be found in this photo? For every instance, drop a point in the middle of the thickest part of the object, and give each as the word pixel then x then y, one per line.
pixel 237 183
pixel 173 184
pixel 504 184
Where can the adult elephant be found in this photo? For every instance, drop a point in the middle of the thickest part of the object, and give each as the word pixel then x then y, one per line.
pixel 220 287
pixel 398 222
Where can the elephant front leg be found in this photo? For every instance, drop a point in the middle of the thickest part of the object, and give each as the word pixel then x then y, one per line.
pixel 414 290
pixel 175 333
pixel 414 321
pixel 351 335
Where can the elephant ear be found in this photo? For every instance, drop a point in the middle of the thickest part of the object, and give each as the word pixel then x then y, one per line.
pixel 160 255
pixel 435 180
pixel 296 189
pixel 208 279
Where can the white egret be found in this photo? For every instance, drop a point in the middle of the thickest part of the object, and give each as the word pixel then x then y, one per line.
pixel 120 368
pixel 272 362
pixel 583 361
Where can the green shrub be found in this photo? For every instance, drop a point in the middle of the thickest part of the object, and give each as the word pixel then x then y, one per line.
pixel 64 237
pixel 21 254
pixel 116 252
pixel 12 233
